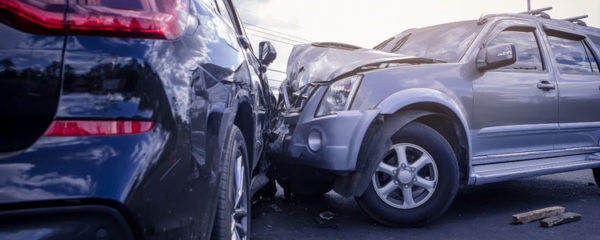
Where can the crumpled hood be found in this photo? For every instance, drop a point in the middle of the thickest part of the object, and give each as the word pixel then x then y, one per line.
pixel 322 62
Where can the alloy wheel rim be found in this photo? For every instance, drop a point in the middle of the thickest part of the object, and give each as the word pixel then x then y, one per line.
pixel 406 177
pixel 239 217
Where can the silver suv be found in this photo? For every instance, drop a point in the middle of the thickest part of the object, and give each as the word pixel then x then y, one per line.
pixel 402 125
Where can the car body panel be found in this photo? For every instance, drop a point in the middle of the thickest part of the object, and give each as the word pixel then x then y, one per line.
pixel 164 180
pixel 30 67
pixel 578 94
pixel 504 114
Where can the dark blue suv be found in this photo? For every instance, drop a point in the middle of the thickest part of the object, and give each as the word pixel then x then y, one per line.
pixel 125 119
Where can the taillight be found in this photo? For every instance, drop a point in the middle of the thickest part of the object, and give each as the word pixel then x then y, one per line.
pixel 39 16
pixel 158 19
pixel 96 128
pixel 162 19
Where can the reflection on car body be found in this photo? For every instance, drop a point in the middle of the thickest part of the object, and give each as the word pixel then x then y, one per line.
pixel 121 125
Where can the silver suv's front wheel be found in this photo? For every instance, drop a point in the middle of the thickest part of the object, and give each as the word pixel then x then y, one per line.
pixel 415 181
pixel 406 178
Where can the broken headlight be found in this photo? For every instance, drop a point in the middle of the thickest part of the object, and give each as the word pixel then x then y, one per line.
pixel 339 96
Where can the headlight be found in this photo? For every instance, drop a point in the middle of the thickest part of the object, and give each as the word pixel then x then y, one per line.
pixel 339 96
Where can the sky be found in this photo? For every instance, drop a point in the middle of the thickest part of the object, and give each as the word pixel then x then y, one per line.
pixel 367 23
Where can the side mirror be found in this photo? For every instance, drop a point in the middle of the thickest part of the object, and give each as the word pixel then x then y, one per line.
pixel 267 53
pixel 496 57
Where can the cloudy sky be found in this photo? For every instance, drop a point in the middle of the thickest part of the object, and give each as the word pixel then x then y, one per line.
pixel 366 23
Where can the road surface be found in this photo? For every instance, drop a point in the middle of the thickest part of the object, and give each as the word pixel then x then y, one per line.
pixel 481 212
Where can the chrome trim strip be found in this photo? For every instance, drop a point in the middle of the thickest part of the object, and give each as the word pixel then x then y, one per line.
pixel 507 157
pixel 579 125
pixel 519 128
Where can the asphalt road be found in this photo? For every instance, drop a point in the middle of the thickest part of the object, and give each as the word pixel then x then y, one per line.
pixel 481 212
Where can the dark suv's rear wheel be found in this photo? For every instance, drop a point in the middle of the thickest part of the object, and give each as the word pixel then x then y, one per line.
pixel 232 219
pixel 416 180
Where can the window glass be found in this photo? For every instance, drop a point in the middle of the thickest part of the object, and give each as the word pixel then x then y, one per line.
pixel 223 10
pixel 570 55
pixel 528 51
pixel 596 41
pixel 446 42
pixel 593 60
pixel 210 3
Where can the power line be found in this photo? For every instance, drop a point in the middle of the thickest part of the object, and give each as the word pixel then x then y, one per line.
pixel 272 34
pixel 273 39
pixel 275 31
pixel 276 70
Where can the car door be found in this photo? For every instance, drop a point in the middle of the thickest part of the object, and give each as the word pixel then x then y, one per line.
pixel 256 84
pixel 578 77
pixel 515 108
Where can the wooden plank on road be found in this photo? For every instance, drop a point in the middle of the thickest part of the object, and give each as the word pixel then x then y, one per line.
pixel 535 215
pixel 560 219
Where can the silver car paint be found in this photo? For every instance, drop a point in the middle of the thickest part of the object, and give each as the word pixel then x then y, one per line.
pixel 506 117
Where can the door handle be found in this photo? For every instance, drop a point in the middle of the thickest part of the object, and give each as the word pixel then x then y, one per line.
pixel 546 86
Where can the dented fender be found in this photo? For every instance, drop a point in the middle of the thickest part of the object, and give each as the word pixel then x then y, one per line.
pixel 376 142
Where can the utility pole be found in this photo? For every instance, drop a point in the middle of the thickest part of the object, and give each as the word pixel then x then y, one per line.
pixel 528 5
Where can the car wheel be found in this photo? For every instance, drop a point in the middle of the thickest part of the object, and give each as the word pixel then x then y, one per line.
pixel 415 182
pixel 232 219
pixel 597 175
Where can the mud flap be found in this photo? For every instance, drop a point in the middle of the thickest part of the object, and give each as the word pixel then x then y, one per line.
pixel 376 143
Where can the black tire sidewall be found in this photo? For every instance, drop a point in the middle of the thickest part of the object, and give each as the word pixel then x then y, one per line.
pixel 235 141
pixel 447 186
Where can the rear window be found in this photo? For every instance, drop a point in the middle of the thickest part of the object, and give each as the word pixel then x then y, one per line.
pixel 572 55
pixel 596 41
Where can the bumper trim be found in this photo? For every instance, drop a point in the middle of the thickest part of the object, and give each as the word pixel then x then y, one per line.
pixel 342 136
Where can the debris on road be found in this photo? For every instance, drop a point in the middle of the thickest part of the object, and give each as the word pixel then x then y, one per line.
pixel 560 219
pixel 327 215
pixel 276 207
pixel 537 214
pixel 325 220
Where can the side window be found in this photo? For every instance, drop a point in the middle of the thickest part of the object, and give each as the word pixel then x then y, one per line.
pixel 596 41
pixel 572 56
pixel 593 60
pixel 210 3
pixel 528 51
pixel 224 13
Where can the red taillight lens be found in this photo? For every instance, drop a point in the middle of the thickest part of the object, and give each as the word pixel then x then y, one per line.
pixel 158 19
pixel 96 128
pixel 40 16
pixel 162 19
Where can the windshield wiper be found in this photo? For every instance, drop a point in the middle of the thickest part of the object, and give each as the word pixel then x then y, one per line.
pixel 400 43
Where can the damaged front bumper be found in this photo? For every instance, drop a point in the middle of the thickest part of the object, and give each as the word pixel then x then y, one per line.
pixel 328 142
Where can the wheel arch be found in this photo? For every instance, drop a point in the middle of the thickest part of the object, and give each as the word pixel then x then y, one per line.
pixel 446 108
pixel 426 106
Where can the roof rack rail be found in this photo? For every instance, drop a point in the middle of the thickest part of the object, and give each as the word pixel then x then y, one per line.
pixel 577 20
pixel 539 12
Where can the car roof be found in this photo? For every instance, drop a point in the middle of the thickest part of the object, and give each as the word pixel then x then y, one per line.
pixel 552 22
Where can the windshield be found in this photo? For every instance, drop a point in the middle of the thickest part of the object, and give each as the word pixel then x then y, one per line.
pixel 446 42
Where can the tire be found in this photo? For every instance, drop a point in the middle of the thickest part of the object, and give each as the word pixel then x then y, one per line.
pixel 597 176
pixel 440 174
pixel 234 172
